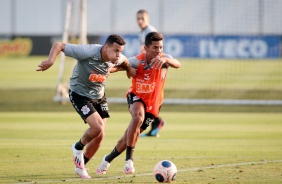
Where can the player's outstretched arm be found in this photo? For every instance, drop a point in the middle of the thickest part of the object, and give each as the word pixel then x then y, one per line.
pixel 158 62
pixel 116 69
pixel 131 72
pixel 172 62
pixel 55 50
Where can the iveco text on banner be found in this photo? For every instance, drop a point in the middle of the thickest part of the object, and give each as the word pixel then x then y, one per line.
pixel 224 47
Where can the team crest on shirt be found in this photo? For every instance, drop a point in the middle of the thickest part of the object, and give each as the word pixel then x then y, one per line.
pixel 85 109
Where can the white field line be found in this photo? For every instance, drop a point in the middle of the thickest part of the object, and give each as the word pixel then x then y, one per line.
pixel 147 174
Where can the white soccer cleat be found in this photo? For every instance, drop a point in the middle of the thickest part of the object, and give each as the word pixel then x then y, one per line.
pixel 78 159
pixel 81 173
pixel 103 167
pixel 128 167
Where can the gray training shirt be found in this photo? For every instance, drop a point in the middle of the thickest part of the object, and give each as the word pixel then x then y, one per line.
pixel 89 74
pixel 143 33
pixel 134 61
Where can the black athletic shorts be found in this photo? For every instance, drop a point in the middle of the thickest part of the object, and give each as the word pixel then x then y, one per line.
pixel 85 106
pixel 149 118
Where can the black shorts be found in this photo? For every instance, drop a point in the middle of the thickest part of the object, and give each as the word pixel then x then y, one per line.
pixel 85 106
pixel 149 118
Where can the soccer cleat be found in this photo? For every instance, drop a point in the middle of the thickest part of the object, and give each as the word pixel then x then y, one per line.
pixel 103 167
pixel 78 159
pixel 155 132
pixel 81 173
pixel 143 135
pixel 128 167
pixel 150 135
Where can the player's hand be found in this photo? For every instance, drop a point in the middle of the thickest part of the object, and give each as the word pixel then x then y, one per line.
pixel 158 62
pixel 44 65
pixel 131 73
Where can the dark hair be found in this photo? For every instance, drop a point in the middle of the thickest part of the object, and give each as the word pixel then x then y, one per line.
pixel 115 38
pixel 142 11
pixel 153 36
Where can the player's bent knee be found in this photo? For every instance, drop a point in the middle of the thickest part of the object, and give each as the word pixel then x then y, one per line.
pixel 138 119
pixel 101 136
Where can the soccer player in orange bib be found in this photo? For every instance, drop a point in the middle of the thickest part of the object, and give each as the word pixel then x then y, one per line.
pixel 142 17
pixel 144 97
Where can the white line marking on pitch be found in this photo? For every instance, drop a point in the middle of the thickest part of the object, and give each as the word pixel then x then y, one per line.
pixel 147 174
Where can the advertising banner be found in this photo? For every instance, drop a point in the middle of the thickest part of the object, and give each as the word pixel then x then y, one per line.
pixel 225 47
pixel 179 46
pixel 22 46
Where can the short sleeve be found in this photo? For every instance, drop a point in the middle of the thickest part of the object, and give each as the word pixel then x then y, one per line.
pixel 168 56
pixel 133 62
pixel 80 52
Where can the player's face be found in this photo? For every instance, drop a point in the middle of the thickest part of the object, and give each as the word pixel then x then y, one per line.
pixel 142 20
pixel 155 49
pixel 114 52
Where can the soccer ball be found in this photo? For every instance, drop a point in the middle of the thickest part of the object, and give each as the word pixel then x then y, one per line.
pixel 165 171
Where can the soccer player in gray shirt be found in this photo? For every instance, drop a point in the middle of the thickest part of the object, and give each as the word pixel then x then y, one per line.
pixel 86 93
pixel 143 18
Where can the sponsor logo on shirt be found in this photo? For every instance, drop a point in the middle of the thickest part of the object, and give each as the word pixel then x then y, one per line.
pixel 97 77
pixel 145 88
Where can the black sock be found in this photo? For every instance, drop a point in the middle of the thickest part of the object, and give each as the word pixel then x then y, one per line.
pixel 112 155
pixel 129 153
pixel 79 145
pixel 85 160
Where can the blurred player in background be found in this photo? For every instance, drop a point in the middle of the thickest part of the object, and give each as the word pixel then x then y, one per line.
pixel 142 17
pixel 87 90
pixel 144 98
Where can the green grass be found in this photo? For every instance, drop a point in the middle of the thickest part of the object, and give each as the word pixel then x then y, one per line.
pixel 24 89
pixel 206 142
pixel 216 79
pixel 206 148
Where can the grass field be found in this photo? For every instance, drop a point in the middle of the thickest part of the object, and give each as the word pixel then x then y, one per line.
pixel 24 89
pixel 206 148
pixel 208 143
